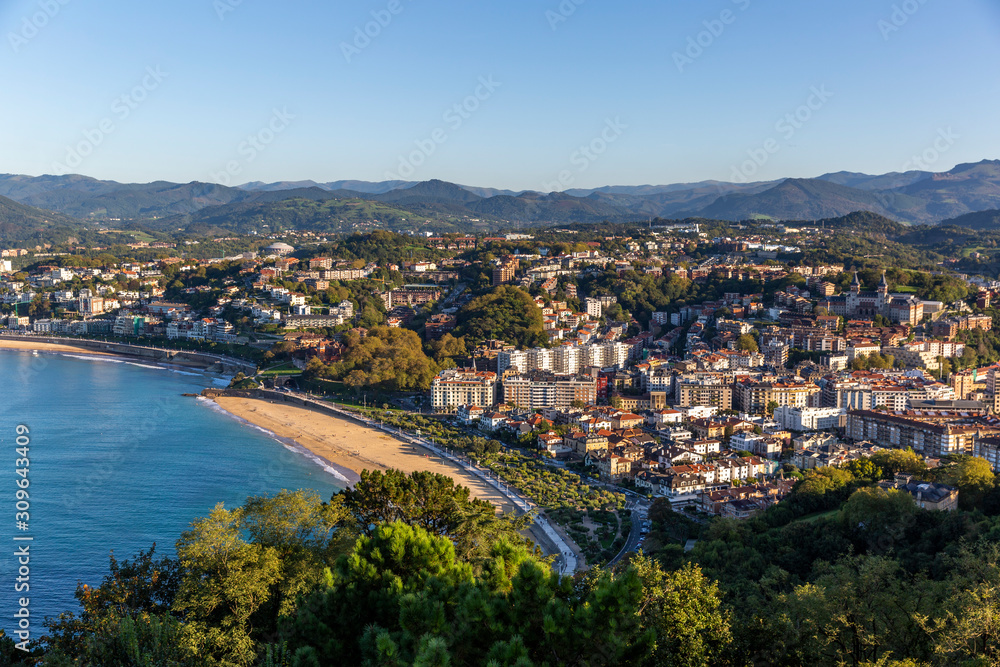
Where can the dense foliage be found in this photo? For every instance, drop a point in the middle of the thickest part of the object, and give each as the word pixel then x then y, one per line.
pixel 401 570
pixel 506 313
pixel 385 358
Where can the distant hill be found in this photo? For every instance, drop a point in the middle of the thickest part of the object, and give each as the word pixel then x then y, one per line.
pixel 26 225
pixel 880 182
pixel 799 199
pixel 979 221
pixel 964 189
pixel 916 197
pixel 88 198
pixel 320 216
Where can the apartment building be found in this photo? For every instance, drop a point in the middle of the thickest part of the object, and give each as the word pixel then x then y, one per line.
pixel 929 437
pixel 810 419
pixel 452 388
pixel 711 393
pixel 504 270
pixel 566 359
pixel 542 389
pixel 754 397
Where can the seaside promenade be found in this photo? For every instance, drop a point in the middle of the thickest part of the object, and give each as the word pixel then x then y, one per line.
pixel 566 560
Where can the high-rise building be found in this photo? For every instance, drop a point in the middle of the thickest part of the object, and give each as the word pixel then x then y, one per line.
pixel 541 389
pixel 504 270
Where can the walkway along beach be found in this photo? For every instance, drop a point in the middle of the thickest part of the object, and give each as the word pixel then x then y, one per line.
pixel 350 441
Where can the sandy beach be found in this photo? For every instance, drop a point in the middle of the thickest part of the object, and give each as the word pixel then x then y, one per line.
pixel 351 445
pixel 24 345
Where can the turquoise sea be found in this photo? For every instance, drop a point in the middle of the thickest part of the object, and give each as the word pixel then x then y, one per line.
pixel 119 459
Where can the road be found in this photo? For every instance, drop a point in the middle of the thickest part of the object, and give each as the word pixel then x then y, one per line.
pixel 566 560
pixel 639 512
pixel 638 504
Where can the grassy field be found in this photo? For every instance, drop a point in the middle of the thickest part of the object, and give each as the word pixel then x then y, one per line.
pixel 818 516
pixel 971 249
pixel 282 369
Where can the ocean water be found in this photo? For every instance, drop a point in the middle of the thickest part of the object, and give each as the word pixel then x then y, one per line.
pixel 119 459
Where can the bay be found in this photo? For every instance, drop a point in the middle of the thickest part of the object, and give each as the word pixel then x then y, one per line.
pixel 119 459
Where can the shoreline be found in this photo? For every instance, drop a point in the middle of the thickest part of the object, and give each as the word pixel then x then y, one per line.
pixel 21 345
pixel 26 344
pixel 347 446
pixel 343 474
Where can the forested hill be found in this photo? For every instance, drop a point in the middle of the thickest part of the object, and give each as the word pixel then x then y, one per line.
pixel 913 197
pixel 26 225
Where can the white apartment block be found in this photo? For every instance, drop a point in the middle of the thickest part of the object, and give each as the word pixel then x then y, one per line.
pixel 809 419
pixel 452 388
pixel 565 359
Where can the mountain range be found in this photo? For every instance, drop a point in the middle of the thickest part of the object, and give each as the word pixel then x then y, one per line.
pixel 35 204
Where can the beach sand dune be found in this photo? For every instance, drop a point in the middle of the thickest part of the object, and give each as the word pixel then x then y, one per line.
pixel 351 445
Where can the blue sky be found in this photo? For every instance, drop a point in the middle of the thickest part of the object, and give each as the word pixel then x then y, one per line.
pixel 233 91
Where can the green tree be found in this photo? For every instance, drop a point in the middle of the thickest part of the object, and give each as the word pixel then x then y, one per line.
pixel 892 461
pixel 879 517
pixel 227 580
pixel 857 610
pixel 447 347
pixel 403 597
pixel 142 587
pixel 971 474
pixel 747 343
pixel 387 358
pixel 685 610
pixel 506 313
pixel 430 501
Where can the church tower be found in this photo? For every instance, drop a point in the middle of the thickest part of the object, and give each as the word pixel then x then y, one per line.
pixel 883 294
pixel 853 297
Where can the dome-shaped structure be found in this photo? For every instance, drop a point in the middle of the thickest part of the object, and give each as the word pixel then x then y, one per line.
pixel 279 248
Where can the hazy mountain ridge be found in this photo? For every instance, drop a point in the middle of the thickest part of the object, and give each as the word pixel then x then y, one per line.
pixel 913 197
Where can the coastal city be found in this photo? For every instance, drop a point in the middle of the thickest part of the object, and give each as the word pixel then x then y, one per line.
pixel 572 334
pixel 556 351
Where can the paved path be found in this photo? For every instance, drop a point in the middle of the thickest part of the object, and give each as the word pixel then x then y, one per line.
pixel 566 561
